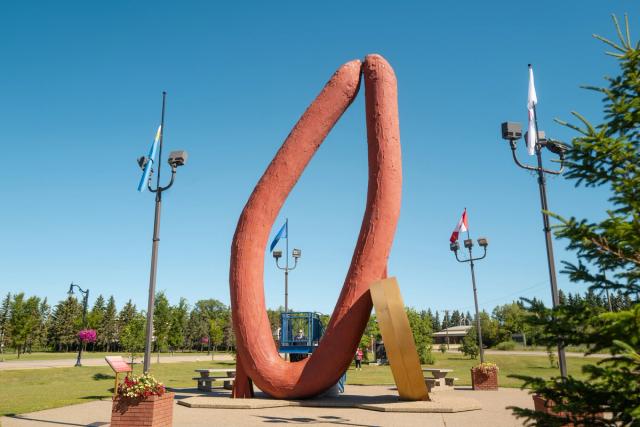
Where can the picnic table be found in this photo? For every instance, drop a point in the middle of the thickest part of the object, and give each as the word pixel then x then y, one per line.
pixel 438 373
pixel 439 377
pixel 209 376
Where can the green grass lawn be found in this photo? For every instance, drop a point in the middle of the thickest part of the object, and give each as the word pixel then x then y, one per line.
pixel 36 389
pixel 508 364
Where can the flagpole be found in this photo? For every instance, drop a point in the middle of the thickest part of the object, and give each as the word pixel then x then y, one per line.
pixel 475 295
pixel 286 269
pixel 555 296
pixel 154 251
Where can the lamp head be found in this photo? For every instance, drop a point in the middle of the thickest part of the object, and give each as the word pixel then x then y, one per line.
pixel 178 158
pixel 297 253
pixel 70 292
pixel 511 131
pixel 542 137
pixel 277 254
pixel 142 162
pixel 468 243
pixel 454 246
pixel 483 242
pixel 556 147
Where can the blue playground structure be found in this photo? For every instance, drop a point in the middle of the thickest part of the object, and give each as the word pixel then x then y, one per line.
pixel 291 340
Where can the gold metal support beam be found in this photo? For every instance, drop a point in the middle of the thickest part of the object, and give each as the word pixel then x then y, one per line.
pixel 398 340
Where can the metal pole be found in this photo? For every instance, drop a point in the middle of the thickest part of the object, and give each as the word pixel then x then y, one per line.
pixel 152 283
pixel 85 301
pixel 549 244
pixel 286 271
pixel 154 251
pixel 475 300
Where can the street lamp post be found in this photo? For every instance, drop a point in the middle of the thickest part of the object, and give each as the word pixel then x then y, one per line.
pixel 513 132
pixel 277 254
pixel 176 159
pixel 85 301
pixel 468 243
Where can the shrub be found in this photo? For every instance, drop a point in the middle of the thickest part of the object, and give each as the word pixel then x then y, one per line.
pixel 426 356
pixel 469 345
pixel 506 346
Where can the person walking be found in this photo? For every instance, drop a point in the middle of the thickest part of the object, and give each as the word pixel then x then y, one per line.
pixel 359 355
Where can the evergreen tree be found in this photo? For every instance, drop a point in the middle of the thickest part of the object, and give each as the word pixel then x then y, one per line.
pixel 65 320
pixel 446 320
pixel 34 321
pixel 108 329
pixel 44 321
pixel 436 323
pixel 608 254
pixel 178 328
pixel 5 312
pixel 455 318
pixel 161 322
pixel 95 316
pixel 128 312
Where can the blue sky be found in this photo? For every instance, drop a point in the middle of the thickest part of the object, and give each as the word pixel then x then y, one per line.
pixel 80 93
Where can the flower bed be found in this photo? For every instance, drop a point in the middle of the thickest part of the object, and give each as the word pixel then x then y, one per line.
pixel 484 376
pixel 142 401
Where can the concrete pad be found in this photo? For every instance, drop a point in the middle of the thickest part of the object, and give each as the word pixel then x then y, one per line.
pixel 493 413
pixel 359 397
pixel 437 404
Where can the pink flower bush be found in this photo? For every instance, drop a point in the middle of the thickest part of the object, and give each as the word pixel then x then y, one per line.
pixel 87 335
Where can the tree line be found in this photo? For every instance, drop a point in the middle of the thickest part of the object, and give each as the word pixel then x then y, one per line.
pixel 30 324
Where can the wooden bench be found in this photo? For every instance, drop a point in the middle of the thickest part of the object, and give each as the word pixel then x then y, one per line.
pixel 209 376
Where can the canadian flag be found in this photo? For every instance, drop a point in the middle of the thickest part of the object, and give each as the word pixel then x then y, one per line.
pixel 462 227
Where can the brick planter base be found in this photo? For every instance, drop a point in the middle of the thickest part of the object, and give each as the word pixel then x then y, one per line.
pixel 153 411
pixel 484 381
pixel 541 404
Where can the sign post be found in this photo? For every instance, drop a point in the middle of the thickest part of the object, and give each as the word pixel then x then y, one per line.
pixel 118 364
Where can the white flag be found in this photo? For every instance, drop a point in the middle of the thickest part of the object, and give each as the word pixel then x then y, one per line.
pixel 532 101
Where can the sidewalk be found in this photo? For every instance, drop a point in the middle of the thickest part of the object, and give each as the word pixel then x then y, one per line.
pixel 67 363
pixel 493 413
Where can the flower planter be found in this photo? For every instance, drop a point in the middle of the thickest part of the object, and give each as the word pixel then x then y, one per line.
pixel 484 379
pixel 154 411
pixel 541 404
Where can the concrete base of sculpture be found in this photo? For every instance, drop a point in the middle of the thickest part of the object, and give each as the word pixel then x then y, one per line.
pixel 372 398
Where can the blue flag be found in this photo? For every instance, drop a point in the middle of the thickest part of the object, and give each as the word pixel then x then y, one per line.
pixel 150 159
pixel 285 230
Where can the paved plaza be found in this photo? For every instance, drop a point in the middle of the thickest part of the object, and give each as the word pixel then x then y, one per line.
pixel 492 414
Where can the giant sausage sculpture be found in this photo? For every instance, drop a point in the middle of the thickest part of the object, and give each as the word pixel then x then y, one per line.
pixel 258 357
